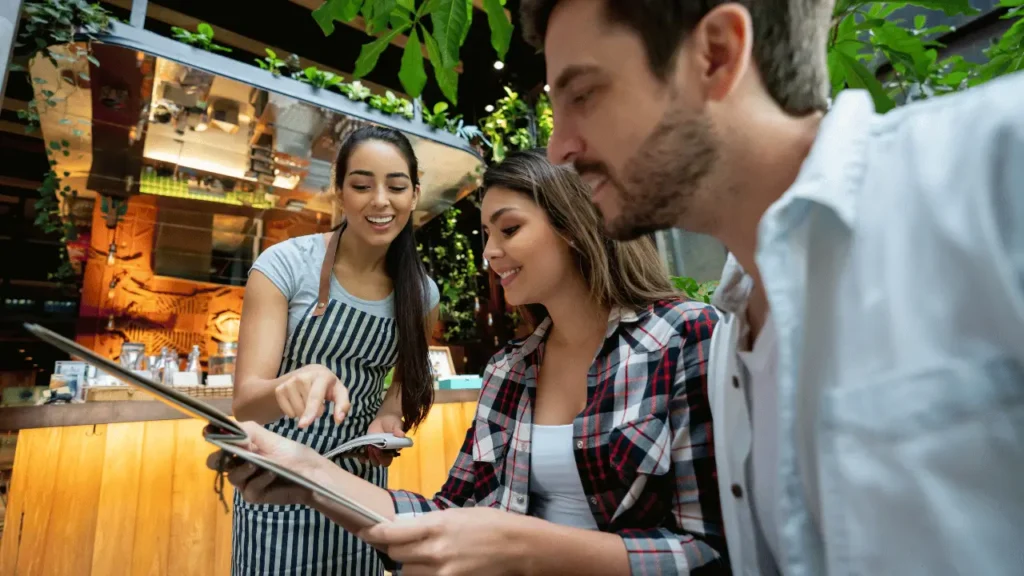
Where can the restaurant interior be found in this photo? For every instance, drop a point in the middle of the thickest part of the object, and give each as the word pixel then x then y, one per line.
pixel 184 169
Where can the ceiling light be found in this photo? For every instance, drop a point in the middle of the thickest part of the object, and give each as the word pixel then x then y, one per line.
pixel 547 88
pixel 489 108
pixel 498 64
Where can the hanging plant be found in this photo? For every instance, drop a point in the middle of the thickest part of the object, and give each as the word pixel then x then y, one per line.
pixel 453 266
pixel 51 23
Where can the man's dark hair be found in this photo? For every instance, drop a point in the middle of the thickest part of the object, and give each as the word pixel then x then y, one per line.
pixel 789 39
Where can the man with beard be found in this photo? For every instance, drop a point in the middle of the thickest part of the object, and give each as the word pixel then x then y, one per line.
pixel 867 375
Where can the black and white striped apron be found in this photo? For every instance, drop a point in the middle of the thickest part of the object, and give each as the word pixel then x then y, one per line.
pixel 295 540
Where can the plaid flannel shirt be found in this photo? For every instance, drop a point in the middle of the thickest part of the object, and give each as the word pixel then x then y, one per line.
pixel 643 443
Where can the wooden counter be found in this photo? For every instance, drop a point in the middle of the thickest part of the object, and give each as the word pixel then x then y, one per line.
pixel 25 417
pixel 95 491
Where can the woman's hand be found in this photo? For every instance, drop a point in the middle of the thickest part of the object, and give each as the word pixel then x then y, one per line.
pixel 456 541
pixel 304 392
pixel 384 424
pixel 260 486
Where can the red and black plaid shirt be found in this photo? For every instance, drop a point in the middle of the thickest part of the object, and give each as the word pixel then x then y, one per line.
pixel 643 444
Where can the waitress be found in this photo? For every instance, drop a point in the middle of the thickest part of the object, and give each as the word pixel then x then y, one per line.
pixel 325 317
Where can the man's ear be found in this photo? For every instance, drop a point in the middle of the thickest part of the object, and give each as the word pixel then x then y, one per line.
pixel 415 197
pixel 717 54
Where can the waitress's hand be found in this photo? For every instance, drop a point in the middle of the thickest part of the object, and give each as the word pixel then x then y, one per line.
pixel 303 394
pixel 259 486
pixel 384 424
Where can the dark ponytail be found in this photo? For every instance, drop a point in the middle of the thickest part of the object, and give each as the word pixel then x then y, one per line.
pixel 403 265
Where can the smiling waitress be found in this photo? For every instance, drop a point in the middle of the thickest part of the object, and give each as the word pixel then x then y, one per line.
pixel 325 317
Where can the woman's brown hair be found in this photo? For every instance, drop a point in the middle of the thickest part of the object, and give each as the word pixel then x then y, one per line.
pixel 629 274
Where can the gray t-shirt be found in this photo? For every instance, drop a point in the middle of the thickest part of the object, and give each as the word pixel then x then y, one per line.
pixel 294 267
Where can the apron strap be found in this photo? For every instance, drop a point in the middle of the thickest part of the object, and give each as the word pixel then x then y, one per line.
pixel 326 270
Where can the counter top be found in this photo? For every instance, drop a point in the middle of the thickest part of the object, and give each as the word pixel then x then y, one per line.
pixel 24 417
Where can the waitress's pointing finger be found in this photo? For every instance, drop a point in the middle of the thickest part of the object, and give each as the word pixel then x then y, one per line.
pixel 341 402
pixel 314 401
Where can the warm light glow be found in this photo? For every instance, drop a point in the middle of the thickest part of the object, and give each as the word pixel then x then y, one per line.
pixel 489 108
pixel 547 88
pixel 498 65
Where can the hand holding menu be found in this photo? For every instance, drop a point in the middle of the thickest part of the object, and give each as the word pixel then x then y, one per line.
pixel 223 432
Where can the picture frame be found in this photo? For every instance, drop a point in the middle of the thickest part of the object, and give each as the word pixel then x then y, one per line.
pixel 441 363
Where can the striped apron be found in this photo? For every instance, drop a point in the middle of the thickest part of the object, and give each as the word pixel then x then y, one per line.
pixel 298 541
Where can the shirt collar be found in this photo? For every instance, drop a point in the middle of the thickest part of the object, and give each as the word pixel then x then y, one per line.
pixel 618 316
pixel 831 172
pixel 828 177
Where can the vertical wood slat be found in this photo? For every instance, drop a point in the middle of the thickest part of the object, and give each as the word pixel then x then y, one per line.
pixel 152 531
pixel 118 500
pixel 29 503
pixel 193 503
pixel 72 526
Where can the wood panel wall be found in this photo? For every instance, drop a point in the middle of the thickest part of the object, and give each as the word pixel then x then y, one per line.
pixel 137 499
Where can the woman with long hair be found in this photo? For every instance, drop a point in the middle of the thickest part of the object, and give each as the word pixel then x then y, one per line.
pixel 325 318
pixel 591 451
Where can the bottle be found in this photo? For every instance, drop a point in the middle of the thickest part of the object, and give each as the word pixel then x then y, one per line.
pixel 172 365
pixel 194 364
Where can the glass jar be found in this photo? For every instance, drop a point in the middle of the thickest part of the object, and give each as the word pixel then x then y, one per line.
pixel 224 361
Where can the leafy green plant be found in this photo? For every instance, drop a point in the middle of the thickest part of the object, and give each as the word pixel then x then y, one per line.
pixel 454 268
pixel 699 291
pixel 355 90
pixel 508 127
pixel 865 38
pixel 202 38
pixel 449 26
pixel 1006 55
pixel 49 23
pixel 545 120
pixel 318 78
pixel 438 117
pixel 271 62
pixel 391 104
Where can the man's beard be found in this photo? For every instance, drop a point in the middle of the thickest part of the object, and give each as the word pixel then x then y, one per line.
pixel 664 179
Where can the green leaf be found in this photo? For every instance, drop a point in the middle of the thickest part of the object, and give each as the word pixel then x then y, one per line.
pixel 447 79
pixel 369 53
pixel 449 21
pixel 440 107
pixel 501 28
pixel 331 10
pixel 409 5
pixel 324 16
pixel 469 22
pixel 54 145
pixel 412 74
pixel 83 76
pixel 919 21
pixel 205 29
pixel 858 76
pixel 381 15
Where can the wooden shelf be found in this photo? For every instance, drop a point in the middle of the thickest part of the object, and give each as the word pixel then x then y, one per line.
pixel 26 417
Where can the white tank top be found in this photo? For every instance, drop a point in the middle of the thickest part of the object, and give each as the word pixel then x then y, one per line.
pixel 556 492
